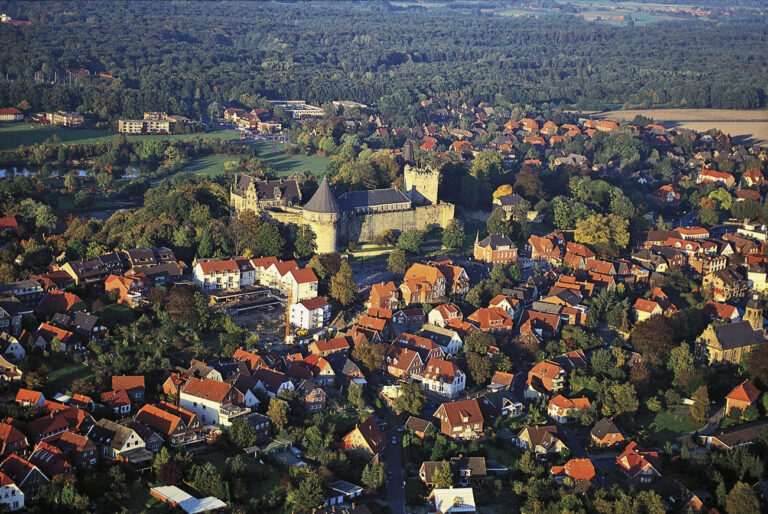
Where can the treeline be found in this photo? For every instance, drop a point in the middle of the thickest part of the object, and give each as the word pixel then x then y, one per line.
pixel 192 53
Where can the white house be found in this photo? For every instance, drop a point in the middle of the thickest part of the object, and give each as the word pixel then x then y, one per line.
pixel 757 278
pixel 443 377
pixel 217 274
pixel 272 382
pixel 443 314
pixel 212 401
pixel 311 314
pixel 300 284
pixel 454 499
pixel 10 494
pixel 11 348
pixel 449 340
pixel 247 271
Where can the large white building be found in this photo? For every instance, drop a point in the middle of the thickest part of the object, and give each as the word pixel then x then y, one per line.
pixel 311 314
pixel 443 377
pixel 212 401
pixel 10 494
pixel 214 275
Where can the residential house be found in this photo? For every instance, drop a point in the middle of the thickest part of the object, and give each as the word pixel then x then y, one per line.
pixel 176 425
pixel 741 397
pixel 495 249
pixel 426 348
pixel 300 284
pixel 492 319
pixel 508 303
pixel 721 311
pixel 26 476
pixel 117 442
pixel 465 470
pixel 409 318
pixel 153 442
pixel 716 177
pixel 80 450
pixel 213 275
pixel 498 401
pixel 324 347
pixel 540 439
pixel 605 433
pixel 321 369
pixel 641 466
pixel 737 436
pixel 546 248
pixel 402 362
pixel 252 360
pixel 725 285
pixel 383 296
pixel 11 496
pixel 443 377
pixel 28 291
pixel 50 460
pixel 212 401
pixel 60 301
pixel 117 400
pixel 546 377
pixel 423 284
pixel 27 397
pixel 366 438
pixel 132 384
pixel 82 402
pixel 312 314
pixel 12 440
pixel 578 470
pixel 577 256
pixel 420 427
pixel 96 269
pixel 272 382
pixel 447 339
pixel 456 277
pixel 130 290
pixel 444 313
pixel 501 379
pixel 644 309
pixel 562 409
pixel 313 396
pixel 461 419
pixel 453 500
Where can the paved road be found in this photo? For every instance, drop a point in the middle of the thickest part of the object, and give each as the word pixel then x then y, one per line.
pixel 395 480
pixel 688 219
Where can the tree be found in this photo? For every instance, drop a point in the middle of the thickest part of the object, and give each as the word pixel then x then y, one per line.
pixel 410 399
pixel 355 396
pixel 700 407
pixel 497 223
pixel 741 499
pixel 369 355
pixel 305 241
pixel 397 262
pixel 757 364
pixel 497 274
pixel 480 367
pixel 442 477
pixel 410 241
pixel 278 414
pixel 503 190
pixel 453 235
pixel 308 494
pixel 343 288
pixel 270 242
pixel 373 475
pixel 243 231
pixel 602 230
pixel 479 342
pixel 653 338
pixel 529 184
pixel 241 433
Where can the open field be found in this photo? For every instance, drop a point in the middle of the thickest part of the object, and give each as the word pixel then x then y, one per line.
pixel 14 134
pixel 288 164
pixel 210 165
pixel 749 127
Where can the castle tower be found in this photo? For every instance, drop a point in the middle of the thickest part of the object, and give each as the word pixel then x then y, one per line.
pixel 322 215
pixel 754 313
pixel 408 152
pixel 421 185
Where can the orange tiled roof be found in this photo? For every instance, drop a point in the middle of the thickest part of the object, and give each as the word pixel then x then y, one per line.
pixel 128 382
pixel 207 389
pixel 744 392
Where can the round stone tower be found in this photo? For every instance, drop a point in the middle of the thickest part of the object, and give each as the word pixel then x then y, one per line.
pixel 322 214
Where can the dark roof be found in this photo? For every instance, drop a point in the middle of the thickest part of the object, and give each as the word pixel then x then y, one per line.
pixel 513 199
pixel 495 241
pixel 323 200
pixel 265 189
pixel 355 199
pixel 755 303
pixel 736 335
pixel 84 323
pixel 740 434
pixel 417 424
pixel 604 427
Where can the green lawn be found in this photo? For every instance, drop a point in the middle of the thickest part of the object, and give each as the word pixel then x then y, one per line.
pixel 14 134
pixel 210 165
pixel 61 379
pixel 116 313
pixel 671 423
pixel 287 164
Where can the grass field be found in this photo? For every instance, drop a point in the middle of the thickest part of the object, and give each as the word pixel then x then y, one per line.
pixel 60 379
pixel 671 423
pixel 210 165
pixel 14 134
pixel 287 164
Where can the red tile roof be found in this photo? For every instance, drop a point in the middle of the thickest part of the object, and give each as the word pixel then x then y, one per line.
pixel 8 222
pixel 303 276
pixel 128 382
pixel 634 459
pixel 207 389
pixel 209 267
pixel 59 301
pixel 492 318
pixel 117 398
pixel 441 370
pixel 312 304
pixel 28 396
pixel 744 392
pixel 458 411
pixel 158 420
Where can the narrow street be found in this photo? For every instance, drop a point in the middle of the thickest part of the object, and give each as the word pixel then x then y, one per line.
pixel 395 480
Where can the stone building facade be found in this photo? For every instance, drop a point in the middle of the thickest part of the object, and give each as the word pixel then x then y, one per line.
pixel 354 216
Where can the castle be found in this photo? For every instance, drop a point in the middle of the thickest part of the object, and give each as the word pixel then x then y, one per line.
pixel 354 216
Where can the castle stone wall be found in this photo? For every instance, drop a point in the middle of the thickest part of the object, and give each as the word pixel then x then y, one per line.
pixel 366 227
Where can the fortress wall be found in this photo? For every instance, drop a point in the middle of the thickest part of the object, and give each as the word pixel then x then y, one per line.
pixel 365 228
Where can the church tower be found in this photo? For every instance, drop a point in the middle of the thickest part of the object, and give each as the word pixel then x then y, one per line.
pixel 754 313
pixel 421 185
pixel 322 214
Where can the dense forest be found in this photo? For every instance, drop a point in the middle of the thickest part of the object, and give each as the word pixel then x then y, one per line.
pixel 179 56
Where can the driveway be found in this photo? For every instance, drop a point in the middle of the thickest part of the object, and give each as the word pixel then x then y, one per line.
pixel 395 480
